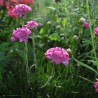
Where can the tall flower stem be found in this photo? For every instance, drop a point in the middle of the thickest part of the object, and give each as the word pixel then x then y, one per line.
pixel 34 50
pixel 51 77
pixel 92 34
pixel 26 63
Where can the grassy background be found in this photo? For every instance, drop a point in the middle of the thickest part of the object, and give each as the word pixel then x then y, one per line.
pixel 59 23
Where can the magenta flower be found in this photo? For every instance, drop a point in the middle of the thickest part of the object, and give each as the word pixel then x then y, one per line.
pixel 86 25
pixel 31 24
pixel 96 30
pixel 57 55
pixel 21 34
pixel 21 9
pixel 96 86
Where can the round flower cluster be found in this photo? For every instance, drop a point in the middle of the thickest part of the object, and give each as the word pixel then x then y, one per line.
pixel 96 86
pixel 96 30
pixel 21 9
pixel 31 24
pixel 21 34
pixel 57 55
pixel 86 25
pixel 10 4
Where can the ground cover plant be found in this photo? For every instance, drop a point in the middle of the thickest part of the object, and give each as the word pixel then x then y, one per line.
pixel 48 49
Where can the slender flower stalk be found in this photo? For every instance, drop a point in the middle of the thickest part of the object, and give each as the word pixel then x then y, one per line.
pixel 34 50
pixel 26 62
pixel 50 78
pixel 92 34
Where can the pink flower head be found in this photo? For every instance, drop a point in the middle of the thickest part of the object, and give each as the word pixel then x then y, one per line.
pixel 1 2
pixel 96 30
pixel 57 55
pixel 96 86
pixel 21 9
pixel 10 12
pixel 26 1
pixel 32 24
pixel 21 34
pixel 86 25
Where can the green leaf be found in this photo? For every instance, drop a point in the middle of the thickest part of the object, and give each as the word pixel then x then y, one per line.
pixel 85 65
pixel 41 31
pixel 54 37
pixel 64 22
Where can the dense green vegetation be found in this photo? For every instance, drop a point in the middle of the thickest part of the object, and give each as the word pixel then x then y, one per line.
pixel 59 26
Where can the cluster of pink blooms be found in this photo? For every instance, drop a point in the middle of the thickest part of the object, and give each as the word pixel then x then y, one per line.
pixel 57 55
pixel 85 25
pixel 96 31
pixel 10 4
pixel 22 34
pixel 96 86
pixel 21 9
pixel 31 24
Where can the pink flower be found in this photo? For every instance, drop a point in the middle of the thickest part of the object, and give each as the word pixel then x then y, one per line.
pixel 1 2
pixel 21 34
pixel 86 25
pixel 57 55
pixel 21 9
pixel 31 24
pixel 96 86
pixel 26 1
pixel 10 12
pixel 96 30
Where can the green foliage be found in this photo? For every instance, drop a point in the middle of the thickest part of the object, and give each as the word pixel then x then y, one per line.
pixel 59 24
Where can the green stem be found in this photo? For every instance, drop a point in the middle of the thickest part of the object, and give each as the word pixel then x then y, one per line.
pixel 92 34
pixel 26 62
pixel 50 78
pixel 34 50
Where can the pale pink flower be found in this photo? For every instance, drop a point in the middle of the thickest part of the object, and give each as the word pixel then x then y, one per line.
pixel 86 25
pixel 96 30
pixel 21 34
pixel 21 9
pixel 57 55
pixel 31 24
pixel 96 86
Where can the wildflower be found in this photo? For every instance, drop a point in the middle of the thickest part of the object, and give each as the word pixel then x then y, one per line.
pixel 96 86
pixel 1 2
pixel 21 9
pixel 32 24
pixel 10 12
pixel 82 20
pixel 57 55
pixel 86 25
pixel 96 30
pixel 21 34
pixel 26 1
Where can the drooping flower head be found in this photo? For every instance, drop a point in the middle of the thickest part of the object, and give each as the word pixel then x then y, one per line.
pixel 96 30
pixel 21 34
pixel 21 9
pixel 57 55
pixel 31 24
pixel 96 86
pixel 85 25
